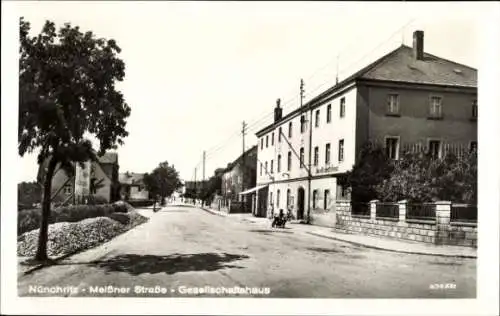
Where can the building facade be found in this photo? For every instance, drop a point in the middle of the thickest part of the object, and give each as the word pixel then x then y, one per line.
pixel 132 186
pixel 96 179
pixel 239 176
pixel 406 99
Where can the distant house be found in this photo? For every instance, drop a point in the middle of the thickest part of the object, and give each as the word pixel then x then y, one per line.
pixel 239 176
pixel 98 179
pixel 132 186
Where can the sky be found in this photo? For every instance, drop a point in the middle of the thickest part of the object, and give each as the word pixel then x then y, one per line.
pixel 196 70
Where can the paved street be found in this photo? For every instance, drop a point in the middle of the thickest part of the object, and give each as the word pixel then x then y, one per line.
pixel 186 246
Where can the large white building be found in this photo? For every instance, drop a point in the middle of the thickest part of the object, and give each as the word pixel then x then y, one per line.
pixel 406 97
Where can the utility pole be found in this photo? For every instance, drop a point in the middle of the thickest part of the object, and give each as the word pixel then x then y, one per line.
pixel 244 168
pixel 204 156
pixel 301 92
pixel 203 181
pixel 337 73
pixel 195 192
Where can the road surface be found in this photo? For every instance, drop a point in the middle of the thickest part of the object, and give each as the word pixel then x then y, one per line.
pixel 185 252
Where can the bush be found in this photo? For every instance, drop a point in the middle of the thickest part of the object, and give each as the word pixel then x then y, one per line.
pixel 68 238
pixel 30 219
pixel 140 203
pixel 96 200
pixel 419 178
pixel 121 218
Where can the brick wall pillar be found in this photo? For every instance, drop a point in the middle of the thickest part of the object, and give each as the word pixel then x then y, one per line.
pixel 373 209
pixel 443 212
pixel 402 210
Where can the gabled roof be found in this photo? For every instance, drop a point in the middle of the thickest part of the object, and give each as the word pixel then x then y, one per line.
pixel 248 153
pixel 111 158
pixel 400 66
pixel 131 178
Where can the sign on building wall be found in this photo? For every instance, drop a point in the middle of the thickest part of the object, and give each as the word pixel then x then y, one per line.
pixel 82 179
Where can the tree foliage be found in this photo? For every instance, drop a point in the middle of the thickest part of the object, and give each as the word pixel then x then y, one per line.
pixel 370 169
pixel 162 181
pixel 66 92
pixel 418 177
pixel 415 177
pixel 28 194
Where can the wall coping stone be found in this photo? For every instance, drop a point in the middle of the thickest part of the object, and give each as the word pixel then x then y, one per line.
pixel 467 224
pixel 421 221
pixel 443 203
pixel 403 201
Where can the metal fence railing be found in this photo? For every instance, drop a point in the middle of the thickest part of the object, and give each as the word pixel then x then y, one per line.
pixel 463 213
pixel 360 209
pixel 387 210
pixel 425 211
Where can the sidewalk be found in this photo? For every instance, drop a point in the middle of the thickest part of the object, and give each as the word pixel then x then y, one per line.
pixel 380 243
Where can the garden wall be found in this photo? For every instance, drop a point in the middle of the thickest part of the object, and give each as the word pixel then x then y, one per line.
pixel 434 224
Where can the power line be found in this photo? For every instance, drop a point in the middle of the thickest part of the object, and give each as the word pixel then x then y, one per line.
pixel 254 125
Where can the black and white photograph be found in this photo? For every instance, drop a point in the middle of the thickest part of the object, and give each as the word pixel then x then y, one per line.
pixel 175 157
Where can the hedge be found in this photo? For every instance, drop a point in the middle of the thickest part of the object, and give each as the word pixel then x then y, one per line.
pixel 141 203
pixel 30 219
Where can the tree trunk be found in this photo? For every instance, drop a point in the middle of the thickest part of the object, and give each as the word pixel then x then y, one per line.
pixel 41 254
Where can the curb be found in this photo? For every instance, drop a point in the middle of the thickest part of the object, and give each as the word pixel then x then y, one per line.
pixel 212 212
pixel 392 250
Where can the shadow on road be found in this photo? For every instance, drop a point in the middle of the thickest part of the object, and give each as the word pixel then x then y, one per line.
pixel 325 250
pixel 139 264
pixel 268 231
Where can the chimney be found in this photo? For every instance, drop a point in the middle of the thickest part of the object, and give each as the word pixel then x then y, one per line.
pixel 278 112
pixel 418 45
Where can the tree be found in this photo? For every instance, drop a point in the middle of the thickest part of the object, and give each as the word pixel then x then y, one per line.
pixel 66 92
pixel 210 188
pixel 370 169
pixel 28 194
pixel 162 181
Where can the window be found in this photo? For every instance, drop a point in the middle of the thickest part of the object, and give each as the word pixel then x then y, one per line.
pixel 316 155
pixel 279 135
pixel 272 139
pixel 265 168
pixel 271 198
pixel 327 154
pixel 67 188
pixel 341 150
pixel 436 107
pixel 289 161
pixel 262 143
pixel 301 157
pixel 326 199
pixel 329 113
pixel 393 104
pixel 392 147
pixel 316 123
pixel 302 123
pixel 267 141
pixel 435 148
pixel 315 197
pixel 260 168
pixel 288 198
pixel 290 130
pixel 272 167
pixel 474 109
pixel 473 146
pixel 278 198
pixel 342 107
pixel 279 163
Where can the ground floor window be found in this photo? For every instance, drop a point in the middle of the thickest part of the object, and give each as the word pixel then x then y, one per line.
pixel 327 199
pixel 315 197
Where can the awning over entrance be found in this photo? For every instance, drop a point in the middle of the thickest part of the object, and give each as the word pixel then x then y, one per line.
pixel 253 189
